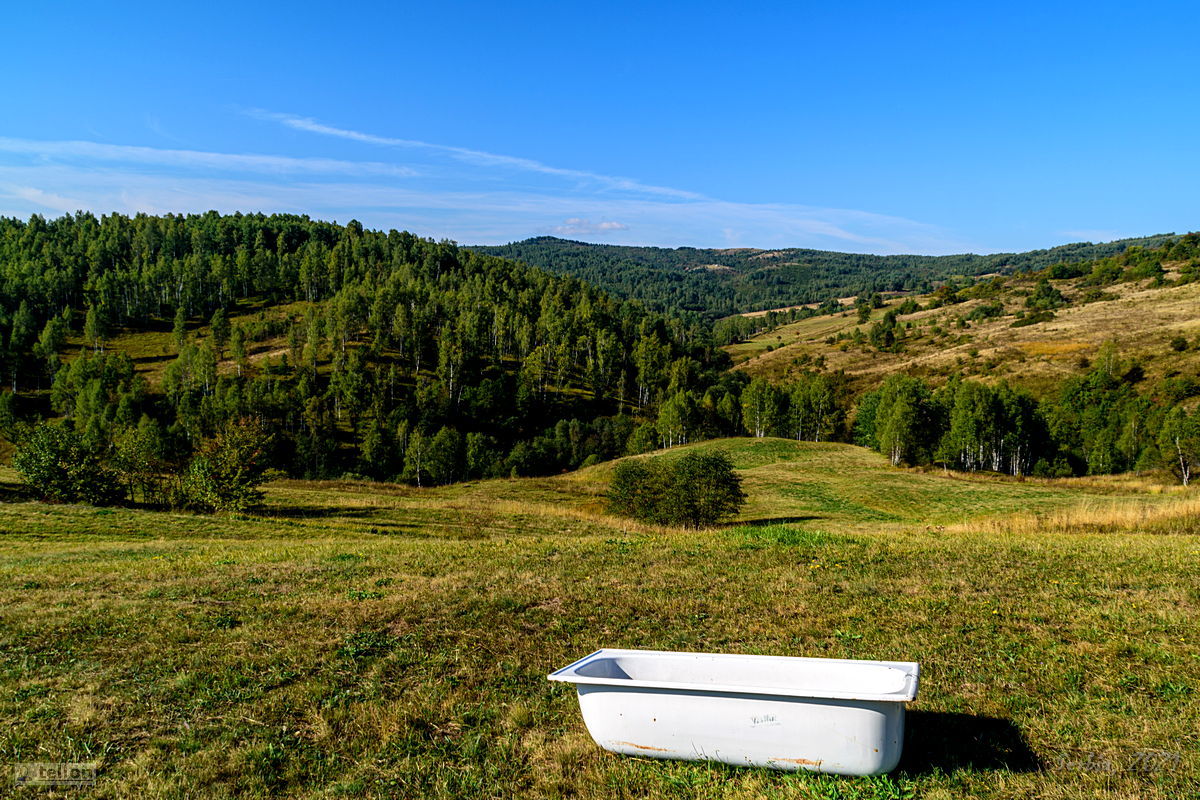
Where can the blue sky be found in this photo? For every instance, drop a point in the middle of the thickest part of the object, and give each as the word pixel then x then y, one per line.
pixel 866 127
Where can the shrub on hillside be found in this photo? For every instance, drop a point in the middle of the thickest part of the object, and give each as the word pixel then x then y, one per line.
pixel 1060 272
pixel 695 490
pixel 1033 319
pixel 987 311
pixel 59 467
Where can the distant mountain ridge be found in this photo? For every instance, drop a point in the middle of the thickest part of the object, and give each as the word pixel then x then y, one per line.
pixel 719 282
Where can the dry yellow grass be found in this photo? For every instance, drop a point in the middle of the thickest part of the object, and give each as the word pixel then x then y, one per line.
pixel 1053 348
pixel 1180 515
pixel 1142 320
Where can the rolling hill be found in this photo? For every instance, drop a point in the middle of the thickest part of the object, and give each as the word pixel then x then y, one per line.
pixel 383 355
pixel 355 351
pixel 1152 321
pixel 716 283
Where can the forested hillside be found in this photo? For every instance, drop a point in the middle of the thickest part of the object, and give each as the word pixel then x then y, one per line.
pixel 1078 368
pixel 159 346
pixel 717 283
pixel 1036 327
pixel 380 354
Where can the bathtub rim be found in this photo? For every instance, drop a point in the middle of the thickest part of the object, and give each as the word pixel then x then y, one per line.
pixel 907 693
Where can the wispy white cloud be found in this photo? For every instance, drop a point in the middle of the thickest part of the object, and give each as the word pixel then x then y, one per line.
pixel 483 216
pixel 50 200
pixel 487 204
pixel 476 157
pixel 155 125
pixel 578 226
pixel 874 232
pixel 196 159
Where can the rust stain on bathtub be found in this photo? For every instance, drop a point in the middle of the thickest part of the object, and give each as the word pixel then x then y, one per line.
pixel 642 746
pixel 804 762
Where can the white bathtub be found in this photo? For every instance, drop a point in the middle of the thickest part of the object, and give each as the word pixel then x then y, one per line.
pixel 819 714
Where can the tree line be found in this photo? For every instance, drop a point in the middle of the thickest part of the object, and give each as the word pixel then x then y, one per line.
pixel 1098 423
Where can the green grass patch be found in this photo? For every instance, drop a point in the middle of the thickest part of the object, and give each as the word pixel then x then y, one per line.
pixel 299 653
pixel 756 537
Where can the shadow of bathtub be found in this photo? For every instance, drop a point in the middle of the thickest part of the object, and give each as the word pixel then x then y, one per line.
pixel 940 741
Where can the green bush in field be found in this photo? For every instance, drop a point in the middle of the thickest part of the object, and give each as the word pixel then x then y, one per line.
pixel 636 489
pixel 695 490
pixel 227 470
pixel 55 463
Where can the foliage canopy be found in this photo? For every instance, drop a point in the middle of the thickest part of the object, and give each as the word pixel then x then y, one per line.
pixel 694 490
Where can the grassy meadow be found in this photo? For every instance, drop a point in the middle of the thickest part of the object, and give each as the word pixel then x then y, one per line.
pixel 368 640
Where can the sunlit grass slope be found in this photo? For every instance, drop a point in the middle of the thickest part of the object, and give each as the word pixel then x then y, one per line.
pixel 1142 319
pixel 844 487
pixel 364 640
